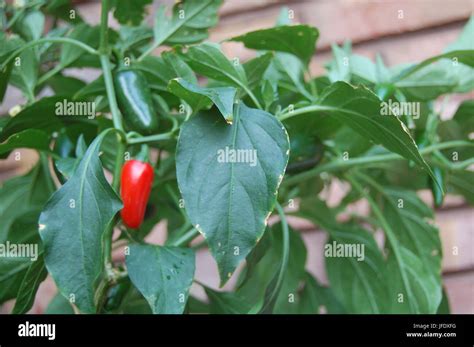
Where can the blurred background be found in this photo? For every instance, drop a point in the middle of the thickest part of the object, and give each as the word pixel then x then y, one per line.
pixel 402 31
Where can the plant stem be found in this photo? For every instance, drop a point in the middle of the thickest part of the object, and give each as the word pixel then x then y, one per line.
pixel 303 110
pixel 151 138
pixel 106 66
pixel 50 74
pixel 186 238
pixel 381 158
pixel 30 44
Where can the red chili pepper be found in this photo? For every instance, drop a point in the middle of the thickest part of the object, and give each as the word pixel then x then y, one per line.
pixel 135 187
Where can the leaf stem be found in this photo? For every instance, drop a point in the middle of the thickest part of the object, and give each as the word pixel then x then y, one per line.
pixel 368 160
pixel 151 138
pixel 50 74
pixel 186 238
pixel 284 260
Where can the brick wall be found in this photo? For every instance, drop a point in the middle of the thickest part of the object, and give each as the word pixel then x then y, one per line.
pixel 425 28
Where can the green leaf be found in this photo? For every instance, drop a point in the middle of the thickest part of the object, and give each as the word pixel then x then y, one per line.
pixel 41 115
pixel 256 67
pixel 31 25
pixel 35 274
pixel 94 88
pixel 357 281
pixel 232 210
pixel 414 250
pixel 160 70
pixel 208 60
pixel 461 182
pixel 199 97
pixel 227 302
pixel 59 305
pixel 66 85
pixel 189 23
pixel 464 117
pixel 339 68
pixel 84 33
pixel 24 230
pixel 130 12
pixel 87 204
pixel 30 138
pixel 460 51
pixel 25 72
pixel 360 109
pixel 163 275
pixel 429 83
pixel 288 72
pixel 299 40
pixel 464 41
pixel 62 9
pixel 21 195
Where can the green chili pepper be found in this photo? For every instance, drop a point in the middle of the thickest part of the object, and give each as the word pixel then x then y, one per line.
pixel 306 152
pixel 135 101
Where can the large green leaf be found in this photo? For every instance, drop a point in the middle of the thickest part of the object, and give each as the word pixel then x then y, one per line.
pixel 163 275
pixel 299 40
pixel 35 274
pixel 188 24
pixel 7 46
pixel 358 282
pixel 360 109
pixel 198 97
pixel 30 138
pixel 227 201
pixel 86 204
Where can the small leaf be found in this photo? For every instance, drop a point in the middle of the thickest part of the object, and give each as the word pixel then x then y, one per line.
pixel 299 40
pixel 87 204
pixel 256 67
pixel 239 195
pixel 163 275
pixel 208 60
pixel 130 12
pixel 189 23
pixel 199 97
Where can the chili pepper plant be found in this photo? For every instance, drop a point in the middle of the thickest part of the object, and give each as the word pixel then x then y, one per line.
pixel 223 154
